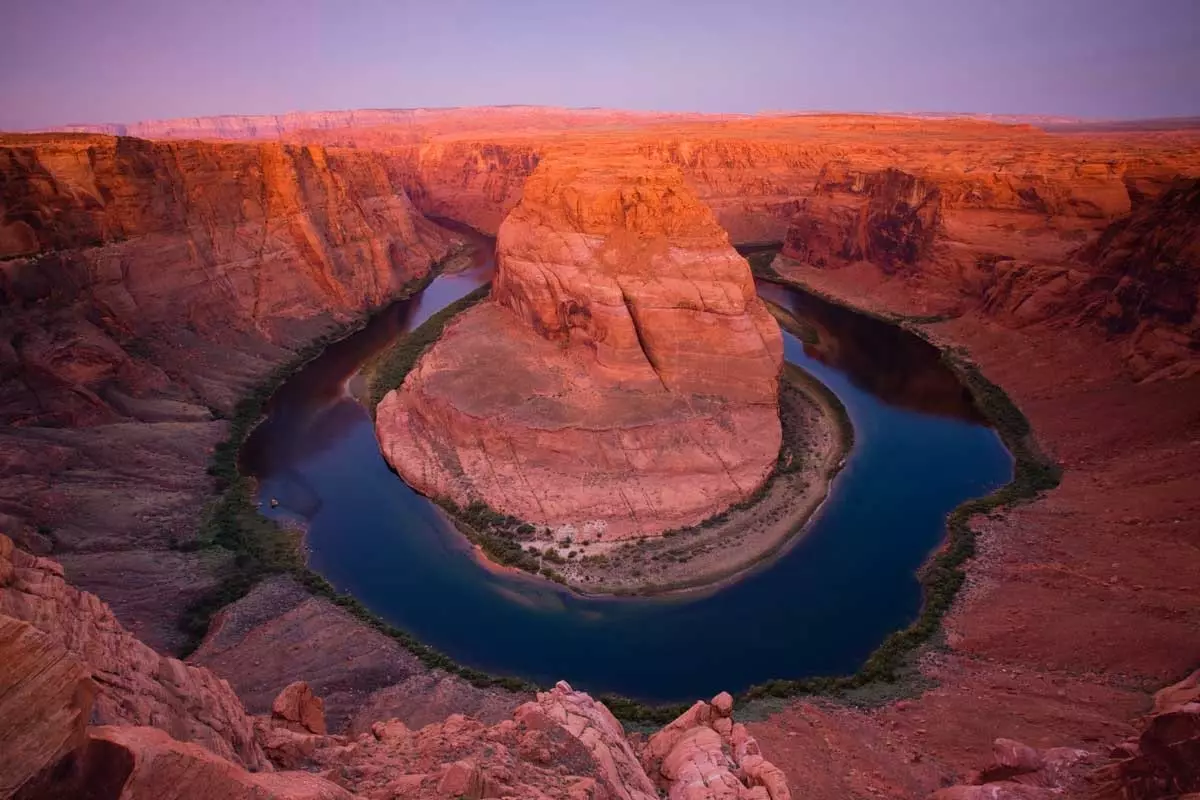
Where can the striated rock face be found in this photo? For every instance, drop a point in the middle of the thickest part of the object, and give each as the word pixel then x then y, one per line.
pixel 45 700
pixel 622 379
pixel 132 763
pixel 207 235
pixel 594 725
pixel 477 183
pixel 135 685
pixel 887 217
pixel 1139 283
pixel 623 264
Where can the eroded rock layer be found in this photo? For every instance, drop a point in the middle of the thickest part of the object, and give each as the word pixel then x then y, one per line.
pixel 622 379
pixel 143 286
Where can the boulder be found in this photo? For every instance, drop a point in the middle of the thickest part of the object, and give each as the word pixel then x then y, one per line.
pixel 299 709
pixel 138 763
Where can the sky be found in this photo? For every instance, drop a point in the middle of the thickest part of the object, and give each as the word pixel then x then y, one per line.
pixel 65 61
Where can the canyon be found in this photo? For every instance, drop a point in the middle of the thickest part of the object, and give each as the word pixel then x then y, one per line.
pixel 145 286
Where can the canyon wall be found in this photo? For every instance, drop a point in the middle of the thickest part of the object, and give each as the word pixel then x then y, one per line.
pixel 621 380
pixel 962 210
pixel 380 125
pixel 144 288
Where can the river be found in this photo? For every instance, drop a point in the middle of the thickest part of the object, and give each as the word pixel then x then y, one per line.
pixel 819 608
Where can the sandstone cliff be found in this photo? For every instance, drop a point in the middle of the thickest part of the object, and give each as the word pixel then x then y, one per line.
pixel 1139 282
pixel 623 378
pixel 143 284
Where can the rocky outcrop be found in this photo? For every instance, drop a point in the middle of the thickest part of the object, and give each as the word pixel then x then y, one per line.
pixel 253 237
pixel 1138 282
pixel 134 684
pixel 889 218
pixel 597 729
pixel 138 763
pixel 622 379
pixel 298 709
pixel 705 755
pixel 1164 761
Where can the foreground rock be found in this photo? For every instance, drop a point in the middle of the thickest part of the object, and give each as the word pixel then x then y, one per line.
pixel 45 699
pixel 621 381
pixel 562 745
pixel 705 755
pixel 134 684
pixel 1164 761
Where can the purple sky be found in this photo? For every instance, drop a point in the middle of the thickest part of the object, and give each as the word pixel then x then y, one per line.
pixel 123 60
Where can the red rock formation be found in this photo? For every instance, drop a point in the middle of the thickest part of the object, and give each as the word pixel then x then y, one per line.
pixel 45 699
pixel 136 686
pixel 564 744
pixel 623 380
pixel 1164 761
pixel 705 755
pixel 1013 206
pixel 215 236
pixel 131 763
pixel 299 709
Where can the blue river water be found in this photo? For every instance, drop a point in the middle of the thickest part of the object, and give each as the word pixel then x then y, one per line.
pixel 819 608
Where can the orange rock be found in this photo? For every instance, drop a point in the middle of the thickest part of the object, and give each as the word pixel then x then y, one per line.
pixel 1179 694
pixel 299 708
pixel 623 381
pixel 1015 758
pixel 722 704
pixel 704 755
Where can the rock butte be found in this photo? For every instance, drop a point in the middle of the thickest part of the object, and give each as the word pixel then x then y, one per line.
pixel 623 378
pixel 144 283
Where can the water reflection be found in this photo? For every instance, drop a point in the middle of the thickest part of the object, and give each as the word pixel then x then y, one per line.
pixel 895 366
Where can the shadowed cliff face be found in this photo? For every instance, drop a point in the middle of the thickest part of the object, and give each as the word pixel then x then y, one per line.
pixel 622 379
pixel 143 284
pixel 889 218
pixel 1138 283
